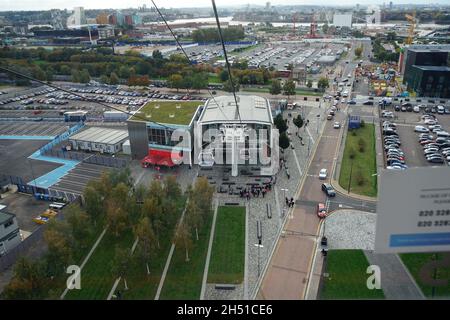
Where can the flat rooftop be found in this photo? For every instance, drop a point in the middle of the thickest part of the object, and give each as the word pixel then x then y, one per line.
pixel 168 112
pixel 5 216
pixel 101 135
pixel 433 68
pixel 223 109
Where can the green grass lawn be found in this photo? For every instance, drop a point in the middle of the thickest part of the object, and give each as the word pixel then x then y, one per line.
pixel 364 163
pixel 415 261
pixel 161 111
pixel 228 251
pixel 347 276
pixel 96 277
pixel 213 78
pixel 184 279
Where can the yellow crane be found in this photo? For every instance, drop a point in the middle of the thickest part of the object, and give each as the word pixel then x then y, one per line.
pixel 411 32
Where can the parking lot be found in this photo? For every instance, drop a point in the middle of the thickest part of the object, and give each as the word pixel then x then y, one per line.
pixel 413 150
pixel 31 129
pixel 280 55
pixel 25 207
pixel 15 162
pixel 76 180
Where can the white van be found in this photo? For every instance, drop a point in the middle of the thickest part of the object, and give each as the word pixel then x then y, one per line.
pixel 440 109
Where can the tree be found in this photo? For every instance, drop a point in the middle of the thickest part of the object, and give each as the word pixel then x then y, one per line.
pixel 223 75
pixel 120 264
pixel 325 28
pixel 323 83
pixel 193 217
pixel 28 281
pixel 79 223
pixel 183 238
pixel 358 51
pixel 298 121
pixel 76 76
pixel 275 89
pixel 309 84
pixel 58 238
pixel 175 81
pixel 289 88
pixel 284 141
pixel 85 77
pixel 153 211
pixel 93 201
pixel 157 55
pixel 113 79
pixel 104 79
pixel 199 81
pixel 202 195
pixel 146 240
pixel 116 218
pixel 280 123
pixel 172 188
pixel 227 86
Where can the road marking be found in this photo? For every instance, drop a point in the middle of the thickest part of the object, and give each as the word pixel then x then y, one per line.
pixel 87 257
pixel 208 254
pixel 298 163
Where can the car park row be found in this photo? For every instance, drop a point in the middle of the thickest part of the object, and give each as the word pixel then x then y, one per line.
pixel 395 157
pixel 434 140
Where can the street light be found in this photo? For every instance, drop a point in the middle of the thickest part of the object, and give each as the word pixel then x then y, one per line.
pixel 318 118
pixel 350 177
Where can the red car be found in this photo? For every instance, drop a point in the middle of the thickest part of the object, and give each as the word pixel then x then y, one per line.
pixel 321 210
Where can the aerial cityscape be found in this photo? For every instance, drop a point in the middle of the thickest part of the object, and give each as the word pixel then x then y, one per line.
pixel 225 151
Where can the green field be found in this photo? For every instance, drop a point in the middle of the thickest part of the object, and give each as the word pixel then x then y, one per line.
pixel 184 279
pixel 347 276
pixel 167 111
pixel 415 261
pixel 364 163
pixel 228 251
pixel 96 277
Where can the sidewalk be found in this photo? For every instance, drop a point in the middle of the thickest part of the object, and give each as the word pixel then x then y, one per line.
pixel 396 281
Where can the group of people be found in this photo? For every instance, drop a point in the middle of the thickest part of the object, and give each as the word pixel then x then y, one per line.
pixel 290 202
pixel 256 190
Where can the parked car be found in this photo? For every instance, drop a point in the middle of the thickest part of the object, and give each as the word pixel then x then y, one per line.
pixel 421 129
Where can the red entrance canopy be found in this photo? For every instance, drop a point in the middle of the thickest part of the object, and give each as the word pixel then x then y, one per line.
pixel 162 158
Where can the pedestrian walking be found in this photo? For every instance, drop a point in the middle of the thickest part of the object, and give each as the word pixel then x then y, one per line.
pixel 287 201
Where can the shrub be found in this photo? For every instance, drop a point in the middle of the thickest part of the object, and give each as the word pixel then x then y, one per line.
pixel 362 123
pixel 361 145
pixel 360 180
pixel 351 153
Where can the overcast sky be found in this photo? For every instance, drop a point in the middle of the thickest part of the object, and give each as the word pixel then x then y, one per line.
pixel 6 5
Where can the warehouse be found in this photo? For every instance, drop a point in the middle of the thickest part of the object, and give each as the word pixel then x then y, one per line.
pixel 103 140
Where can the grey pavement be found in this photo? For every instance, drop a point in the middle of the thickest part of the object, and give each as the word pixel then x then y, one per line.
pixel 396 282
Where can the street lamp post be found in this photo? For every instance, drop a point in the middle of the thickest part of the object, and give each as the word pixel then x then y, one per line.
pixel 350 177
pixel 318 122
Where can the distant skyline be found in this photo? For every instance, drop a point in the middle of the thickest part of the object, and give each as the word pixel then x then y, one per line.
pixel 11 5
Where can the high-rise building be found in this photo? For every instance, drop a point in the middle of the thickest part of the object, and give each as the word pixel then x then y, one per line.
pixel 77 18
pixel 391 5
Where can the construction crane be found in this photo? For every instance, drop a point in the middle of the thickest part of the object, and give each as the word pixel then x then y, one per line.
pixel 294 20
pixel 313 28
pixel 411 31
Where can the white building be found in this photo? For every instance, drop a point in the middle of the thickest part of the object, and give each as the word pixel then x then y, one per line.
pixel 233 136
pixel 342 20
pixel 103 140
pixel 77 18
pixel 9 231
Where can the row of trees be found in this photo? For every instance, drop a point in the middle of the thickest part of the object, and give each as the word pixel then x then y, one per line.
pixel 232 33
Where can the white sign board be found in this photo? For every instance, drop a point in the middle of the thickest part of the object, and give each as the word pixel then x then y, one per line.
pixel 414 210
